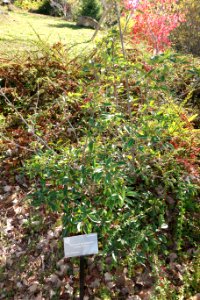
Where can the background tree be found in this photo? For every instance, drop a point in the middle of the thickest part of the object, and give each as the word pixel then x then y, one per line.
pixel 187 36
pixel 62 6
pixel 91 8
pixel 153 21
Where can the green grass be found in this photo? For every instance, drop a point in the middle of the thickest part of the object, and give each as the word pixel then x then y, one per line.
pixel 20 31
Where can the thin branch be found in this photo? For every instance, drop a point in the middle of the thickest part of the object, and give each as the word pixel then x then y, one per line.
pixel 127 21
pixel 124 54
pixel 70 124
pixel 105 13
pixel 30 128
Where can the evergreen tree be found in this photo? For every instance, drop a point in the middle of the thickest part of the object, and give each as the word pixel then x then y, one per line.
pixel 91 8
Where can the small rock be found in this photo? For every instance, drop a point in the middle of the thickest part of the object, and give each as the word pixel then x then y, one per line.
pixel 87 22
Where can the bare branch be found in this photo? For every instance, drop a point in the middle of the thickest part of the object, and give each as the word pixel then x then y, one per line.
pixel 124 54
pixel 105 13
pixel 30 128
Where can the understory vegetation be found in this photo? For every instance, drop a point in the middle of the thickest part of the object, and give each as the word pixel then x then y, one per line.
pixel 110 144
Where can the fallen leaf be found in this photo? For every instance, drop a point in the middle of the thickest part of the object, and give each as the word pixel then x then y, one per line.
pixel 33 288
pixel 108 276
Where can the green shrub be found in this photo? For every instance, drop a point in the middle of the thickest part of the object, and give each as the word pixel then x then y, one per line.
pixel 131 177
pixel 91 8
pixel 28 4
pixel 45 8
pixel 123 181
pixel 39 6
pixel 130 181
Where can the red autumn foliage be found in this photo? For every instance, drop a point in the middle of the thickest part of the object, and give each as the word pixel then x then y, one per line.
pixel 154 20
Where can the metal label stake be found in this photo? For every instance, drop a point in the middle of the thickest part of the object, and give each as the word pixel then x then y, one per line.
pixel 81 245
pixel 82 277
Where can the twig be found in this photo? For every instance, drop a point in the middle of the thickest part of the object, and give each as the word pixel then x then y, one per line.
pixel 106 11
pixel 127 21
pixel 124 54
pixel 30 128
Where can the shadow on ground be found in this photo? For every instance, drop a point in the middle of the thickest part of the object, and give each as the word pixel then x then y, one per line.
pixel 68 25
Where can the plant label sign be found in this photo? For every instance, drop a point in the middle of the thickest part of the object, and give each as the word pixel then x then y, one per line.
pixel 81 245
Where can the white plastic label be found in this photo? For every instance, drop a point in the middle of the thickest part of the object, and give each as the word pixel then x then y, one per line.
pixel 81 245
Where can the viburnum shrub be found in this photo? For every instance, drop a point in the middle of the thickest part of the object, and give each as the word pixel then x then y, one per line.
pixel 123 181
pixel 154 20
